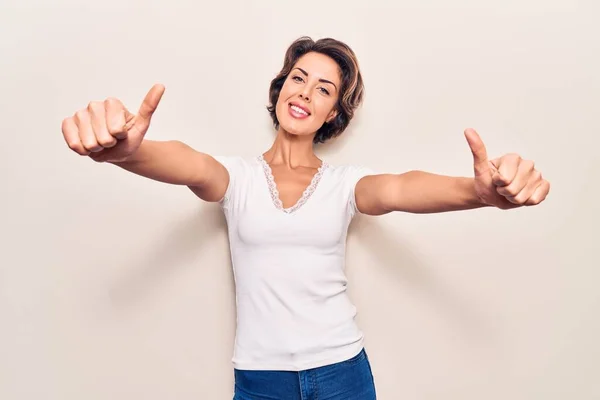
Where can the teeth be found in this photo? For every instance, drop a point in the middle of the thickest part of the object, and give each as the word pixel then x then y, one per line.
pixel 299 110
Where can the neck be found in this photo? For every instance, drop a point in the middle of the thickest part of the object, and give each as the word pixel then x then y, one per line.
pixel 292 151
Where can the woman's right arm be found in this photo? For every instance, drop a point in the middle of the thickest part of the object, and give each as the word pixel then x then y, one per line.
pixel 177 163
pixel 107 132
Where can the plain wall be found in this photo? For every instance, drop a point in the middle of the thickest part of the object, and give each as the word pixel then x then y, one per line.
pixel 113 286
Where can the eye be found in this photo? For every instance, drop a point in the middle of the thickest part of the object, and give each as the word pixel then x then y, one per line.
pixel 323 90
pixel 297 79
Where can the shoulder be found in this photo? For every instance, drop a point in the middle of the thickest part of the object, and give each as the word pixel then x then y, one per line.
pixel 239 169
pixel 347 177
pixel 236 164
pixel 350 173
pixel 233 159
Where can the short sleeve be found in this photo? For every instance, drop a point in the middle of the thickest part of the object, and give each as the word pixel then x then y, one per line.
pixel 352 176
pixel 234 166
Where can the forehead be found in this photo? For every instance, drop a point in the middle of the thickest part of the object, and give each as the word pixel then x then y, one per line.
pixel 319 66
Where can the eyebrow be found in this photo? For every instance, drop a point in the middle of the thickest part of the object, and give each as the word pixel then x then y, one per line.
pixel 320 80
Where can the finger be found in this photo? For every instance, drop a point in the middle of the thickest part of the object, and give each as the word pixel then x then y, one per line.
pixel 508 166
pixel 534 180
pixel 98 121
pixel 151 102
pixel 86 133
pixel 116 118
pixel 525 173
pixel 495 163
pixel 540 194
pixel 71 136
pixel 480 157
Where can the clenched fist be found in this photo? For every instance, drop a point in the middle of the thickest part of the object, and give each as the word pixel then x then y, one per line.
pixel 107 131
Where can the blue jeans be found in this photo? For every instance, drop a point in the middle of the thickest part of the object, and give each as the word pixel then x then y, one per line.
pixel 347 380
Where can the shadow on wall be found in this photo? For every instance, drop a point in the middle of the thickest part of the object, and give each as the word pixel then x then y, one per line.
pixel 172 250
pixel 413 273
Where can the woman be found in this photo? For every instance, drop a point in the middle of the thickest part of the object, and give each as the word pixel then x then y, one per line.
pixel 288 212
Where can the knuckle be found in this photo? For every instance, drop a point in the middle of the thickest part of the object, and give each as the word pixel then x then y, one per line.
pixel 107 142
pixel 91 145
pixel 79 149
pixel 94 106
pixel 529 164
pixel 534 200
pixel 75 146
pixel 520 198
pixel 511 191
pixel 116 123
pixel 80 115
pixel 67 126
pixel 112 101
pixel 116 130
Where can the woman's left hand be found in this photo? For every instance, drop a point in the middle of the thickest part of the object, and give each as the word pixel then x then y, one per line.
pixel 505 182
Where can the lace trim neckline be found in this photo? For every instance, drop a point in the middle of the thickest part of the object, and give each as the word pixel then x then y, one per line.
pixel 275 193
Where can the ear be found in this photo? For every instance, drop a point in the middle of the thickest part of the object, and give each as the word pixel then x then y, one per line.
pixel 331 116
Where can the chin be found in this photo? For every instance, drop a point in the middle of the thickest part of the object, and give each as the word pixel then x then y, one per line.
pixel 296 127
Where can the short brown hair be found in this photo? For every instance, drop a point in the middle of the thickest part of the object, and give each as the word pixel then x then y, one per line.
pixel 351 90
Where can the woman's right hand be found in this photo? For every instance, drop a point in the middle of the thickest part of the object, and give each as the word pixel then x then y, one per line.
pixel 107 131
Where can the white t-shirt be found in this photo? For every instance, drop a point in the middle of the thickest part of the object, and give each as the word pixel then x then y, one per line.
pixel 293 312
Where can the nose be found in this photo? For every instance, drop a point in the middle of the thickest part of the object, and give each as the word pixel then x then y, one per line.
pixel 304 95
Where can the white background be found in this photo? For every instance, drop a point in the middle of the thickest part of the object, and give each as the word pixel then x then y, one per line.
pixel 113 286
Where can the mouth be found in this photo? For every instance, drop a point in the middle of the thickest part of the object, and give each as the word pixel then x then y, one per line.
pixel 298 110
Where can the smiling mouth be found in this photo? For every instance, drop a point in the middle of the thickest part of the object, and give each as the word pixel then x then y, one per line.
pixel 299 110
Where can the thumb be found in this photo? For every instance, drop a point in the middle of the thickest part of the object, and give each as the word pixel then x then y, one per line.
pixel 151 102
pixel 480 158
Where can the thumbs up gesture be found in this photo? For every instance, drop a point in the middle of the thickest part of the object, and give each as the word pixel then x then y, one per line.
pixel 506 182
pixel 107 131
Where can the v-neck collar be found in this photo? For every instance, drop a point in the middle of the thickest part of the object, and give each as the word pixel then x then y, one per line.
pixel 275 193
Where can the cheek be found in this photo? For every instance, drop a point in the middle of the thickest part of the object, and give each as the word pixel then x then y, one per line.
pixel 323 107
pixel 286 91
pixel 284 94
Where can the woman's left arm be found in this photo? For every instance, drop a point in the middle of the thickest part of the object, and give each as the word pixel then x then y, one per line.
pixel 506 182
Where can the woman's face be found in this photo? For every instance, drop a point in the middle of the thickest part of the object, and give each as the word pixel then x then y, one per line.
pixel 309 94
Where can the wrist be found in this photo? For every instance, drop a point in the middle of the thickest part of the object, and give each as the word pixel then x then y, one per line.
pixel 473 199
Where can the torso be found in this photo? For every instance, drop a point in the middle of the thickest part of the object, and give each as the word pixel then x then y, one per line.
pixel 288 256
